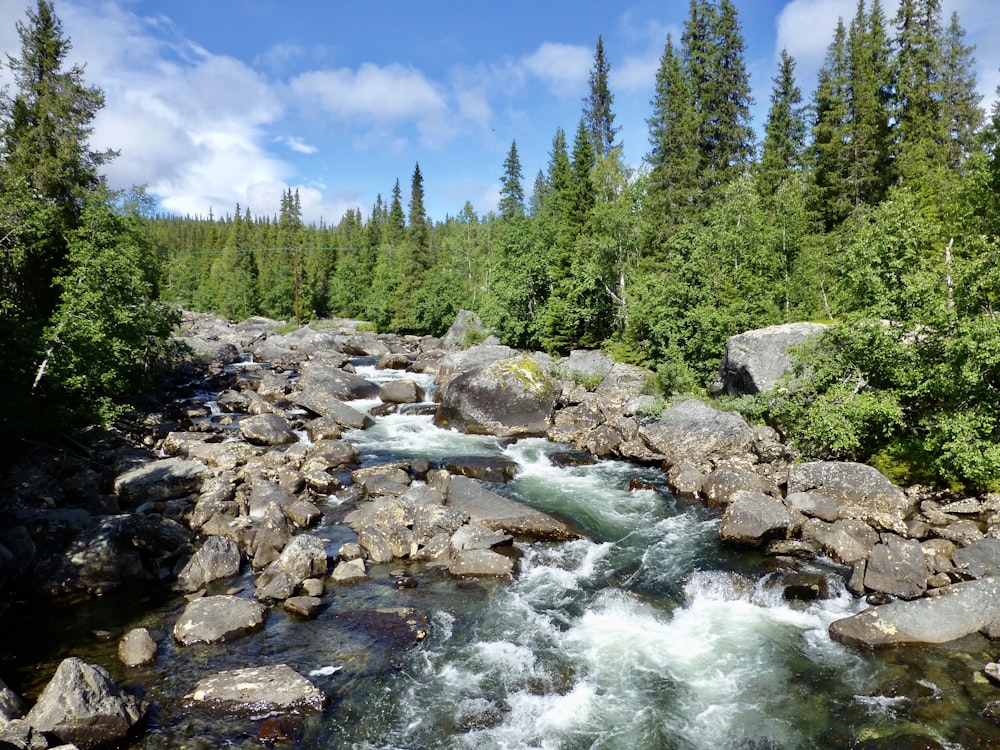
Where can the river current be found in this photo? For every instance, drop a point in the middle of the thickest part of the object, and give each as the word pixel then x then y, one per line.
pixel 647 633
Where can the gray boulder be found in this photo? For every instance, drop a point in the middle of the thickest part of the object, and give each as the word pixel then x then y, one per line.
pixel 896 567
pixel 755 360
pixel 860 491
pixel 213 619
pixel 496 512
pixel 481 562
pixel 980 559
pixel 467 329
pixel 471 358
pixel 217 558
pixel 402 391
pixel 332 408
pixel 813 505
pixel 509 398
pixel 11 705
pixel 335 382
pixel 586 365
pixel 723 483
pixel 304 557
pixel 267 429
pixel 364 345
pixel 82 705
pixel 160 480
pixel 256 690
pixel 954 612
pixel 694 431
pixel 753 518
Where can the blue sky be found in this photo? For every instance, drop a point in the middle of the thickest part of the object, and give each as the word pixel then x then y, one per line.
pixel 223 102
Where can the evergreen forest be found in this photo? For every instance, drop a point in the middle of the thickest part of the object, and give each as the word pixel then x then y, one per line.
pixel 874 205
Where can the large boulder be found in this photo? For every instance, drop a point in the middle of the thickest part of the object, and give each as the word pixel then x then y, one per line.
pixel 214 619
pixel 160 480
pixel 696 432
pixel 331 407
pixel 467 330
pixel 509 398
pixel 256 690
pixel 956 611
pixel 496 512
pixel 472 358
pixel 335 382
pixel 82 705
pixel 860 491
pixel 755 360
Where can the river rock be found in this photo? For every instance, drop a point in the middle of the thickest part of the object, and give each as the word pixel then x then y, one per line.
pixel 470 359
pixel 320 482
pixel 267 430
pixel 271 537
pixel 860 491
pixel 722 483
pixel 137 648
pixel 160 480
pixel 509 398
pixel 954 612
pixel 574 423
pixel 348 571
pixel 694 431
pixel 481 563
pixel 492 469
pixel 497 512
pixel 813 505
pixel 11 705
pixel 335 382
pixel 403 391
pixel 331 408
pixel 214 619
pixel 256 690
pixel 754 361
pixel 753 518
pixel 82 705
pixel 217 558
pixel 896 567
pixel 979 559
pixel 845 541
pixel 685 480
pixel 303 557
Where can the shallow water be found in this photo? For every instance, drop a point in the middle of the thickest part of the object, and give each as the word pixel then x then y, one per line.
pixel 645 634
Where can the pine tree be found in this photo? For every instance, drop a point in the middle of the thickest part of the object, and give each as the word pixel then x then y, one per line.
pixel 600 120
pixel 785 130
pixel 511 203
pixel 395 224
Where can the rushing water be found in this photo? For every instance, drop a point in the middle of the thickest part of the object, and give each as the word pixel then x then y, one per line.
pixel 645 634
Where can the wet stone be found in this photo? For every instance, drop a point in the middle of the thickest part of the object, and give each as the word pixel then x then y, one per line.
pixel 256 690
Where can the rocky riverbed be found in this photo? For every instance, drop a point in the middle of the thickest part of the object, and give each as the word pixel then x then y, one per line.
pixel 242 501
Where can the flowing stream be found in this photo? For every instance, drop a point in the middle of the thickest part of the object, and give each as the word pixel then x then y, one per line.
pixel 645 634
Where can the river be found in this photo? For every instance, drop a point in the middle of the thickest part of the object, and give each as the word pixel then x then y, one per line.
pixel 645 634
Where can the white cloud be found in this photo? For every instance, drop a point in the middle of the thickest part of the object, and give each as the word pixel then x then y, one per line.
pixel 564 68
pixel 297 144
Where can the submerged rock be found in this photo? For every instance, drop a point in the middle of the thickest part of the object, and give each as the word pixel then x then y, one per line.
pixel 218 618
pixel 256 690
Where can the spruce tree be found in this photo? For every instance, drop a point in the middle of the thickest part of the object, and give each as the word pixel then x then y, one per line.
pixel 47 168
pixel 673 160
pixel 869 88
pixel 419 232
pixel 829 194
pixel 961 108
pixel 785 130
pixel 511 203
pixel 600 120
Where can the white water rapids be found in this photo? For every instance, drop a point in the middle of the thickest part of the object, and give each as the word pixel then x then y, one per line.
pixel 645 635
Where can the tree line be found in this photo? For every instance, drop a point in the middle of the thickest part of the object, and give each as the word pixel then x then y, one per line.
pixel 874 205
